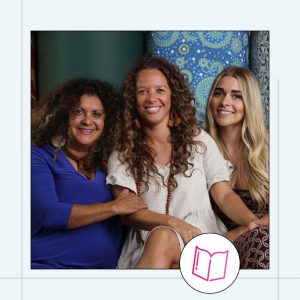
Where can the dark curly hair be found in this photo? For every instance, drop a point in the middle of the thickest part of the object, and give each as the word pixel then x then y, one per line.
pixel 50 118
pixel 133 147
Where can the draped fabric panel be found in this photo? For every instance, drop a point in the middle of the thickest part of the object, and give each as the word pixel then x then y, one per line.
pixel 200 55
pixel 260 65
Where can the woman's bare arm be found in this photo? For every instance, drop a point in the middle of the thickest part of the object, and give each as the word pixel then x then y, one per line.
pixel 231 204
pixel 147 220
pixel 86 214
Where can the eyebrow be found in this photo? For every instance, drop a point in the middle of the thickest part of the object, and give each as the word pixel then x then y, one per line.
pixel 232 91
pixel 157 86
pixel 95 109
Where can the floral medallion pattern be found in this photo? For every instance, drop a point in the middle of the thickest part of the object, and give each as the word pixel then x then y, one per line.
pixel 200 55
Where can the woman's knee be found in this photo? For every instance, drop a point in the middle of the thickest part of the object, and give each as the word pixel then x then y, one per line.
pixel 164 234
pixel 163 241
pixel 162 249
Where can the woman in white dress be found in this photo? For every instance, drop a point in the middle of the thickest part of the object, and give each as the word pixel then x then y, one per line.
pixel 171 164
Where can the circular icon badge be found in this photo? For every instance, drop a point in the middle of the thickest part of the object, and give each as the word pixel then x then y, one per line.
pixel 209 263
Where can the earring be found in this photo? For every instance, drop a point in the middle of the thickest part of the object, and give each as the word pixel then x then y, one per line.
pixel 170 123
pixel 58 141
pixel 137 123
pixel 174 122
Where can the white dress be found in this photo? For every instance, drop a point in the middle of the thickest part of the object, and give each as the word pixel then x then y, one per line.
pixel 189 201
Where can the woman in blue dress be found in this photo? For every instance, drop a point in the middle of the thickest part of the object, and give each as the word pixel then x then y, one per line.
pixel 75 221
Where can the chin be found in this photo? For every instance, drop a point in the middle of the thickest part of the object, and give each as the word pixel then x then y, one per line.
pixel 83 144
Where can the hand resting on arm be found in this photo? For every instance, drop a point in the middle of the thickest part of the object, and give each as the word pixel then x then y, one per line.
pixel 232 206
pixel 125 203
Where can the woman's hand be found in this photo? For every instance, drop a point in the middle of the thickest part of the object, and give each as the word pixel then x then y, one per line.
pixel 262 222
pixel 185 230
pixel 127 203
pixel 85 214
pixel 233 234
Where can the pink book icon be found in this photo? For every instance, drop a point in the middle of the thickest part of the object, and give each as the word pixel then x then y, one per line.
pixel 210 266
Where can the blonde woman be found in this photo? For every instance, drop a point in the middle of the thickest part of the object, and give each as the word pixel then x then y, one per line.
pixel 235 121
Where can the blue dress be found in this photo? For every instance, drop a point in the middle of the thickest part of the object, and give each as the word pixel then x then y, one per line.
pixel 55 187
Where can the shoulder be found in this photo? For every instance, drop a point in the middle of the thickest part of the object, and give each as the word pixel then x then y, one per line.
pixel 113 158
pixel 118 174
pixel 209 145
pixel 114 162
pixel 45 152
pixel 203 136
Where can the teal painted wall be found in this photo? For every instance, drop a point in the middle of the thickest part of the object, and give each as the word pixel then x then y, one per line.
pixel 105 55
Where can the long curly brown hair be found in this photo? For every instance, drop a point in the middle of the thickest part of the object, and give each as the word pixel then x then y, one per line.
pixel 50 118
pixel 133 147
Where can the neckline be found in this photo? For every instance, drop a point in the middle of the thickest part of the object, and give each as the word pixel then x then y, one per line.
pixel 71 167
pixel 161 165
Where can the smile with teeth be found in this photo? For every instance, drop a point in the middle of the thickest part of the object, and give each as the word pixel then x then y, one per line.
pixel 152 109
pixel 86 131
pixel 222 112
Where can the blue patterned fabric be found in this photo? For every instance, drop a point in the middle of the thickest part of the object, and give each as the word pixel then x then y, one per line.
pixel 200 55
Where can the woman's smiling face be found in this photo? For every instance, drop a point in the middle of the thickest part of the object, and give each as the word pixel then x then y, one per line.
pixel 86 122
pixel 153 97
pixel 227 105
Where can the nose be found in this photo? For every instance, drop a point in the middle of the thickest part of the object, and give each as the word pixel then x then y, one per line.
pixel 226 100
pixel 87 119
pixel 151 95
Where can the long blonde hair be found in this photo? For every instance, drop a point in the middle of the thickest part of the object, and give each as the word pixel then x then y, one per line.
pixel 254 150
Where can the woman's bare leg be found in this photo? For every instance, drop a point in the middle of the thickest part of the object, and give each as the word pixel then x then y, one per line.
pixel 162 250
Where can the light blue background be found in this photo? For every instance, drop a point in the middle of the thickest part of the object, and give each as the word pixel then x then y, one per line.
pixel 16 279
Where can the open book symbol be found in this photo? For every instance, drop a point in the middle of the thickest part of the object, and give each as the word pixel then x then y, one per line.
pixel 210 266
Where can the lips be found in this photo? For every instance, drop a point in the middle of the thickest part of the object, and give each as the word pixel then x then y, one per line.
pixel 152 109
pixel 85 131
pixel 222 112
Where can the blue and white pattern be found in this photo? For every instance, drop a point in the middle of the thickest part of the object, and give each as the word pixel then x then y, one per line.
pixel 200 55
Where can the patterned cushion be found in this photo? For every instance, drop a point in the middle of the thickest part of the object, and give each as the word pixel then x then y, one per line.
pixel 200 55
